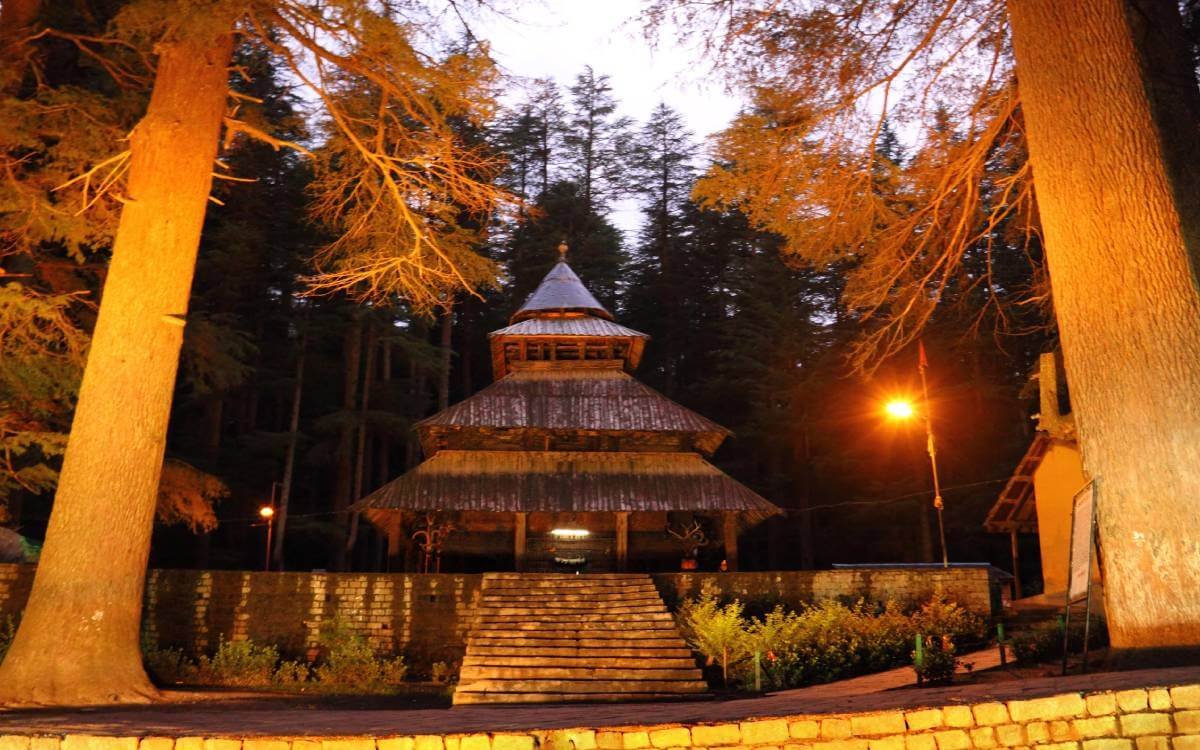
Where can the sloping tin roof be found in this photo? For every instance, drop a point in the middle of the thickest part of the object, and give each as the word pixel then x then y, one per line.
pixel 584 325
pixel 586 399
pixel 561 481
pixel 1016 508
pixel 560 291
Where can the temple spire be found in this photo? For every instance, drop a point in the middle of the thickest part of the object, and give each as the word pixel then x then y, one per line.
pixel 562 251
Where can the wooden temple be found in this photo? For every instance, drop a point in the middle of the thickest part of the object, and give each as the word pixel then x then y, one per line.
pixel 565 462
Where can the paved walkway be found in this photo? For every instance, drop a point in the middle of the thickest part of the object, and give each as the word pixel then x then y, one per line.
pixel 316 716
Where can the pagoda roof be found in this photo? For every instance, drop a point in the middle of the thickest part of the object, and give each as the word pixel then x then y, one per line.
pixel 565 481
pixel 561 291
pixel 577 325
pixel 591 400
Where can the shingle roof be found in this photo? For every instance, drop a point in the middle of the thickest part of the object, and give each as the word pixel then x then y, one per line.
pixel 562 481
pixel 576 400
pixel 584 325
pixel 561 291
pixel 1016 508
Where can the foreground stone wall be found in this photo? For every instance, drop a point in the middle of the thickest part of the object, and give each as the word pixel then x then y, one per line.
pixel 427 616
pixel 973 588
pixel 423 616
pixel 1143 719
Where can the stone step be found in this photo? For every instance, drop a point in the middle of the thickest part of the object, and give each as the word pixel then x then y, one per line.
pixel 572 640
pixel 634 661
pixel 566 576
pixel 573 625
pixel 582 652
pixel 528 614
pixel 565 601
pixel 471 674
pixel 468 699
pixel 582 686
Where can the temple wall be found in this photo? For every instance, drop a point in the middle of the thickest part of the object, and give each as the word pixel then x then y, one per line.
pixel 426 616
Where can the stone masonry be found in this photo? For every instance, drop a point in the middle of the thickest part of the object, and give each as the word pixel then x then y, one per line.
pixel 1141 719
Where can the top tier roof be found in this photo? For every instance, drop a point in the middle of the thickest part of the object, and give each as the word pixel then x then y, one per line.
pixel 560 292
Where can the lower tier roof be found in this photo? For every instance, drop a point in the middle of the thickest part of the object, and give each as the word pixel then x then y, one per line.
pixel 562 481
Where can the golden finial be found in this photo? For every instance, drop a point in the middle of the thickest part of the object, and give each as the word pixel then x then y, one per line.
pixel 562 250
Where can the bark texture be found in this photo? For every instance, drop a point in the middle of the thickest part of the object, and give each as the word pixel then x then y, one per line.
pixel 78 642
pixel 1111 108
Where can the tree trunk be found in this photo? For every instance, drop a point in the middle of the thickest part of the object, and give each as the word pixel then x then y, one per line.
pixel 289 461
pixel 78 642
pixel 360 454
pixel 1112 112
pixel 344 478
pixel 446 342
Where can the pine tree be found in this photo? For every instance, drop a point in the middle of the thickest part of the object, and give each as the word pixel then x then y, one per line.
pixel 595 141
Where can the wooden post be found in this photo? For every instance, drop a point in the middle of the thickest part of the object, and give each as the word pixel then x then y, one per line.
pixel 729 536
pixel 519 540
pixel 395 551
pixel 622 540
pixel 1016 565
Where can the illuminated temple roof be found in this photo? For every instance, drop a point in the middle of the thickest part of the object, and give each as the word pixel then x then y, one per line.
pixel 561 481
pixel 566 427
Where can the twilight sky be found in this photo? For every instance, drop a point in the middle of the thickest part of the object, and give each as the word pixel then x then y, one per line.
pixel 557 38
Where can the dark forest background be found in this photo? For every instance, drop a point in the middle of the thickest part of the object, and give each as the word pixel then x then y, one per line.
pixel 738 336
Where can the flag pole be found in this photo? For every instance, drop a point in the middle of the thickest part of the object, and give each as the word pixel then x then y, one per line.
pixel 922 365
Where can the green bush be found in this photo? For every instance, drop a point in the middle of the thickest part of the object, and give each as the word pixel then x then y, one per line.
pixel 238 663
pixel 350 662
pixel 1043 641
pixel 938 661
pixel 822 642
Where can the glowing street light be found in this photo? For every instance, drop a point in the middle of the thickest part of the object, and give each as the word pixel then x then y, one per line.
pixel 901 409
pixel 267 513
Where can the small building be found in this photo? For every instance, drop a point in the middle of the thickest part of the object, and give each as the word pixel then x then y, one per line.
pixel 1038 497
pixel 566 462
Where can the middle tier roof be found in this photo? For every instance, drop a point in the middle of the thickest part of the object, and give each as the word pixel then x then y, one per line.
pixel 583 409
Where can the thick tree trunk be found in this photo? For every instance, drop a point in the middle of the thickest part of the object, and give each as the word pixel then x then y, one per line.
pixel 78 642
pixel 1112 111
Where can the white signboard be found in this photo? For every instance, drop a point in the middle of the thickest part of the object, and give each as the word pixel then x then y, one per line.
pixel 1082 515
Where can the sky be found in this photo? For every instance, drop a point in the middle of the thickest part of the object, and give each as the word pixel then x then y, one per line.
pixel 557 38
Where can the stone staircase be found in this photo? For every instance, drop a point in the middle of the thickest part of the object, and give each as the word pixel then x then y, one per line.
pixel 546 638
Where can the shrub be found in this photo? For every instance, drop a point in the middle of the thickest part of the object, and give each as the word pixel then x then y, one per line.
pixel 441 673
pixel 8 631
pixel 238 663
pixel 1043 641
pixel 822 642
pixel 168 666
pixel 291 673
pixel 938 662
pixel 717 632
pixel 349 661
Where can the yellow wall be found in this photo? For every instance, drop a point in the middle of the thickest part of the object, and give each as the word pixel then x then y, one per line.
pixel 1055 483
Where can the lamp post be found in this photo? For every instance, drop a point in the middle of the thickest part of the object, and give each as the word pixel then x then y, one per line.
pixel 902 409
pixel 267 513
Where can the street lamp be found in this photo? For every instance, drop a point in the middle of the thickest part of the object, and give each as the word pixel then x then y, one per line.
pixel 267 513
pixel 901 409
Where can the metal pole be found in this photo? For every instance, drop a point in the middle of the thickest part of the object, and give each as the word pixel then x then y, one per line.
pixel 930 447
pixel 270 528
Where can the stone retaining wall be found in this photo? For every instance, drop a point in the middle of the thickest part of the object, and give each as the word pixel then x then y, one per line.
pixel 426 616
pixel 1154 719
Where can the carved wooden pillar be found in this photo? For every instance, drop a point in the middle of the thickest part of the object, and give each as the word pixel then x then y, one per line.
pixel 729 532
pixel 622 540
pixel 519 540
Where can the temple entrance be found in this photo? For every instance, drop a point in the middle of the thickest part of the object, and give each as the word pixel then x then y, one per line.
pixel 571 553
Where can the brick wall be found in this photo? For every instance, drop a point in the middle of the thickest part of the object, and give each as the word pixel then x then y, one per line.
pixel 426 616
pixel 973 588
pixel 423 616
